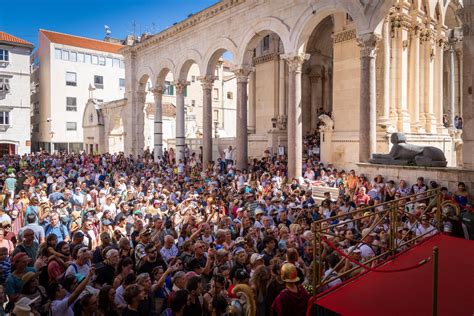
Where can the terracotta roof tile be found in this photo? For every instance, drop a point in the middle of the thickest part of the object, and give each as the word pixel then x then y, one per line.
pixel 83 42
pixel 5 37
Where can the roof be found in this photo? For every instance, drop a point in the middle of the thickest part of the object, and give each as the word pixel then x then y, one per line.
pixel 7 38
pixel 83 42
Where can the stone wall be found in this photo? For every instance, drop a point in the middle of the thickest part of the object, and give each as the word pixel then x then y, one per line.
pixel 448 177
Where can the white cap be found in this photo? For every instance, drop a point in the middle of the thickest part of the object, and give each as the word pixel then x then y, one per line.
pixel 255 257
pixel 353 249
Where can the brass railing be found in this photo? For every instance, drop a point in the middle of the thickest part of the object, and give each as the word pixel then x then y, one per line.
pixel 388 214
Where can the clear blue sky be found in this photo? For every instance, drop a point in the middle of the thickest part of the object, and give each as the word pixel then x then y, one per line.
pixel 23 18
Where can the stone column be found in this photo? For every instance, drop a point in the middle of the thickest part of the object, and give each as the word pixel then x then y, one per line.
pixel 414 79
pixel 252 115
pixel 426 110
pixel 367 119
pixel 306 102
pixel 281 90
pixel 438 84
pixel 384 120
pixel 140 123
pixel 295 128
pixel 394 77
pixel 206 83
pixel 242 75
pixel 180 86
pixel 466 14
pixel 158 128
pixel 452 84
pixel 315 90
pixel 327 90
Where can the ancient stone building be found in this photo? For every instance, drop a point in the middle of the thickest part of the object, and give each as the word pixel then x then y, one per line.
pixel 372 67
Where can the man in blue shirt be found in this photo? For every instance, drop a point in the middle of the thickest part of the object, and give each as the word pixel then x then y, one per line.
pixel 55 227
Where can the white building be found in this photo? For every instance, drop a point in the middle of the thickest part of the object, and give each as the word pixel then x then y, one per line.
pixel 66 67
pixel 103 122
pixel 14 95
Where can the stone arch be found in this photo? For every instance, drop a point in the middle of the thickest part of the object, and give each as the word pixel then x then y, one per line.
pixel 165 66
pixel 450 18
pixel 257 32
pixel 143 81
pixel 310 18
pixel 191 57
pixel 213 54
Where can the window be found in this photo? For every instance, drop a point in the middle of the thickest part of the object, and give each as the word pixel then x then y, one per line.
pixel 99 82
pixel 109 62
pixel 168 88
pixel 215 94
pixel 57 53
pixel 116 62
pixel 73 56
pixel 4 55
pixel 71 79
pixel 71 126
pixel 230 95
pixel 215 116
pixel 88 58
pixel 102 60
pixel 121 83
pixel 95 59
pixel 71 104
pixel 36 128
pixel 4 118
pixel 193 78
pixel 80 57
pixel 193 102
pixel 4 84
pixel 122 64
pixel 65 55
pixel 266 43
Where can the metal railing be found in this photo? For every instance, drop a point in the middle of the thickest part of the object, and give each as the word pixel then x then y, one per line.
pixel 385 216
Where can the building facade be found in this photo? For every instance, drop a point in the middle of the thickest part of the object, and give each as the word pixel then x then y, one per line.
pixel 68 71
pixel 15 137
pixel 371 67
pixel 103 123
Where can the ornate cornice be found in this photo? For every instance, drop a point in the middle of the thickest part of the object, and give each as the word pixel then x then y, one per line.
pixel 190 22
pixel 266 58
pixel 343 36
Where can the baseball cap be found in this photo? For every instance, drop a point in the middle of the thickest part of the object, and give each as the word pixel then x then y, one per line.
pixel 255 257
pixel 367 232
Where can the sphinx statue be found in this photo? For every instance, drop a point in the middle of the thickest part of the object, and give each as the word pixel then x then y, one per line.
pixel 409 154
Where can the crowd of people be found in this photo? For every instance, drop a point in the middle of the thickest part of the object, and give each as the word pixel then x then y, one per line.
pixel 113 235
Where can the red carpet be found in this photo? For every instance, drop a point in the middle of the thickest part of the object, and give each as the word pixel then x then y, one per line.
pixel 410 292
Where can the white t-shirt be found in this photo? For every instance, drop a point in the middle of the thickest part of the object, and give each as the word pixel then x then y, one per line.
pixel 61 308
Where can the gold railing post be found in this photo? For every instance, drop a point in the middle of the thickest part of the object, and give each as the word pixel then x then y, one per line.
pixel 438 211
pixel 315 262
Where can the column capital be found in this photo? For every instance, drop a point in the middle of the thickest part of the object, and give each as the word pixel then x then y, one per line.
pixel 242 73
pixel 207 81
pixel 180 85
pixel 295 61
pixel 368 45
pixel 157 90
